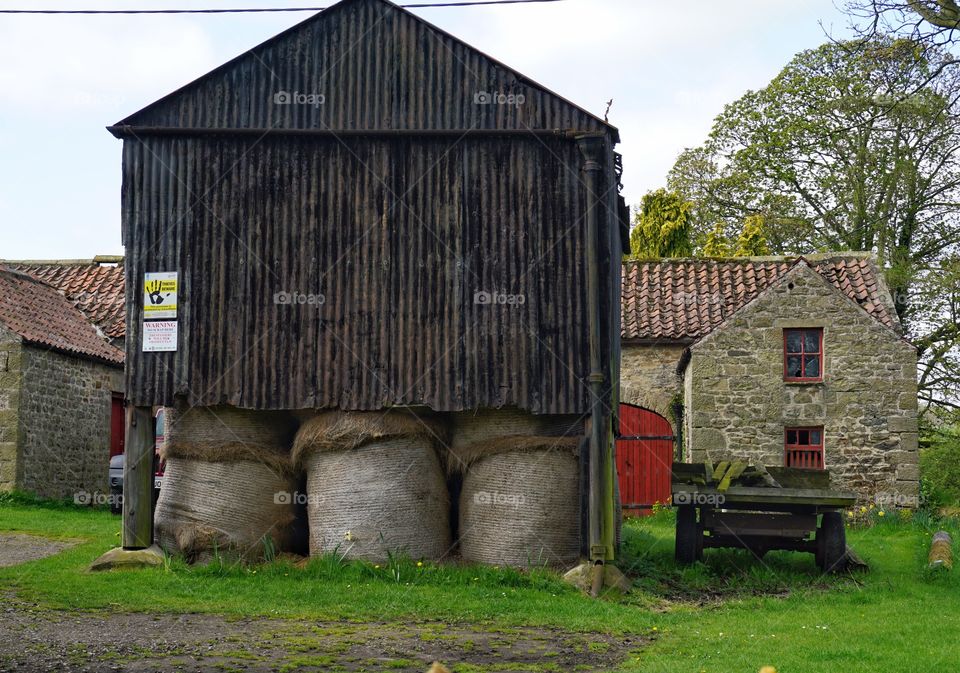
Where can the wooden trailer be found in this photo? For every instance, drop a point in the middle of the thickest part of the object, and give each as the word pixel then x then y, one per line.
pixel 732 505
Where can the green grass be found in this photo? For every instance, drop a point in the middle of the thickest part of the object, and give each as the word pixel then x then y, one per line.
pixel 732 613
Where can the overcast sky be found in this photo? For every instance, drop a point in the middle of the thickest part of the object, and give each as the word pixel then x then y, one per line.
pixel 670 68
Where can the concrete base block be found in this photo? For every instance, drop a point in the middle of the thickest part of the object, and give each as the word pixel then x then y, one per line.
pixel 129 558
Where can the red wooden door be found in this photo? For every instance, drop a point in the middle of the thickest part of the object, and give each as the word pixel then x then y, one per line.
pixel 116 424
pixel 644 459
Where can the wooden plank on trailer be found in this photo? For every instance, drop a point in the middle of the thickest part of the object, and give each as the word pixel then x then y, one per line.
pixel 773 525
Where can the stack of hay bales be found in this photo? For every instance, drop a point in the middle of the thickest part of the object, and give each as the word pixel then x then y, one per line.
pixel 375 485
pixel 226 471
pixel 520 494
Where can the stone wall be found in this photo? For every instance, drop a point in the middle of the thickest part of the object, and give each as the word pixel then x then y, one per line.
pixel 9 407
pixel 737 403
pixel 64 429
pixel 648 376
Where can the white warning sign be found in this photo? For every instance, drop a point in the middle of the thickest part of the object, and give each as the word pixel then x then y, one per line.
pixel 160 295
pixel 160 335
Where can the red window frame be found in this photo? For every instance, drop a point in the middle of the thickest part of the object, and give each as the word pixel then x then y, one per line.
pixel 803 354
pixel 803 447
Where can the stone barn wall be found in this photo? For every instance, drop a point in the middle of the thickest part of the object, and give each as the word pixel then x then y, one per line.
pixel 10 351
pixel 64 423
pixel 648 376
pixel 737 403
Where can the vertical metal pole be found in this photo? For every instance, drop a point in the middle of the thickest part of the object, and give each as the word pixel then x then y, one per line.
pixel 591 146
pixel 138 479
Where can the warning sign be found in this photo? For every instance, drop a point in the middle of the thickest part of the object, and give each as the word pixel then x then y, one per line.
pixel 160 335
pixel 160 295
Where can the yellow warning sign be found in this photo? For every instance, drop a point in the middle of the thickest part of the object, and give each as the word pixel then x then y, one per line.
pixel 160 295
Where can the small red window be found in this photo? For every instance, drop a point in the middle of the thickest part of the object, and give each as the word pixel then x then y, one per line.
pixel 803 354
pixel 803 447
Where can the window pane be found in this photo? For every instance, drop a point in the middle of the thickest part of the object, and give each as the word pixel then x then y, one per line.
pixel 803 437
pixel 793 341
pixel 811 366
pixel 791 436
pixel 815 437
pixel 811 341
pixel 793 366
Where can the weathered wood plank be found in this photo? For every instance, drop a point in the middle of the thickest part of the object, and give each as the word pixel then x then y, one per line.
pixel 138 479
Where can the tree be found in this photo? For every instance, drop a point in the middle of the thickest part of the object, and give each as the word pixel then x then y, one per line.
pixel 934 25
pixel 662 226
pixel 830 164
pixel 752 241
pixel 716 243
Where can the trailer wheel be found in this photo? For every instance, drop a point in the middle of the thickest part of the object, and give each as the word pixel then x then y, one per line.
pixel 831 543
pixel 688 542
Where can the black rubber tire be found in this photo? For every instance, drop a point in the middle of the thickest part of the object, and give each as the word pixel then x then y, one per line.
pixel 116 501
pixel 831 543
pixel 688 544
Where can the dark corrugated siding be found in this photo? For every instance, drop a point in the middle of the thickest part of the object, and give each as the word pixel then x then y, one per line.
pixel 397 235
pixel 377 67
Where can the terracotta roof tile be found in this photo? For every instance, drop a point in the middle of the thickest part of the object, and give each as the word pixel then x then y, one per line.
pixel 97 290
pixel 42 315
pixel 684 299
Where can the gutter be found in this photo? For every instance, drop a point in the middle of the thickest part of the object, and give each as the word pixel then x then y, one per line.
pixel 124 131
pixel 591 146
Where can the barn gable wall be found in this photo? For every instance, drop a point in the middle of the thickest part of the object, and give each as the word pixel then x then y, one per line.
pixel 365 64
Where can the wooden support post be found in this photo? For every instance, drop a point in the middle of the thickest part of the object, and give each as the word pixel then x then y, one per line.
pixel 138 479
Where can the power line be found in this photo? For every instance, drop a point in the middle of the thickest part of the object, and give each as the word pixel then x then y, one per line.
pixel 247 10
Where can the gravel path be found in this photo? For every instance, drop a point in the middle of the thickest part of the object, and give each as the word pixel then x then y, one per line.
pixel 39 640
pixel 19 548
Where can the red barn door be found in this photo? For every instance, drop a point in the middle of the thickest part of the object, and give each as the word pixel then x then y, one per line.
pixel 644 459
pixel 117 425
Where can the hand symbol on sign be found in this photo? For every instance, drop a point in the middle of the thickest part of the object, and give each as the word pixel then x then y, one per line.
pixel 153 289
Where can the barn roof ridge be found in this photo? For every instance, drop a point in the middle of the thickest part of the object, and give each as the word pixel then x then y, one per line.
pixel 131 119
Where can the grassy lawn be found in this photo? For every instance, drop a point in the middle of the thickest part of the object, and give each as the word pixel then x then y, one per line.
pixel 732 613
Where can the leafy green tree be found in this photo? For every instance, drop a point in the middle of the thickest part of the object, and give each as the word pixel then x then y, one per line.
pixel 716 243
pixel 752 241
pixel 662 226
pixel 832 165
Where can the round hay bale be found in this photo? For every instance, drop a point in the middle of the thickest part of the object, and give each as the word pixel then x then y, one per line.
pixel 239 509
pixel 474 428
pixel 228 486
pixel 228 433
pixel 520 503
pixel 375 485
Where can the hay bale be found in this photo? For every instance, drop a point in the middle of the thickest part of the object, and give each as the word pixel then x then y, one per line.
pixel 375 485
pixel 228 484
pixel 474 428
pixel 520 504
pixel 237 509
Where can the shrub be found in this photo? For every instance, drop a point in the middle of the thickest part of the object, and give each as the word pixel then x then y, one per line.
pixel 940 468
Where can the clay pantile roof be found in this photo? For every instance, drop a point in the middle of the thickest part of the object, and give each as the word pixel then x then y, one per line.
pixel 685 299
pixel 97 290
pixel 43 316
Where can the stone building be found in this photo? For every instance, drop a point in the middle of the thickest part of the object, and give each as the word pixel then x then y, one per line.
pixel 781 361
pixel 61 375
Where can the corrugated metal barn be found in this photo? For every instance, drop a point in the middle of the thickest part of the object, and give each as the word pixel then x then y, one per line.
pixel 372 160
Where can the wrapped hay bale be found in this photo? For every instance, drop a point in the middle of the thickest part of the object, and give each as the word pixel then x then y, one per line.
pixel 472 428
pixel 520 503
pixel 375 485
pixel 228 484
